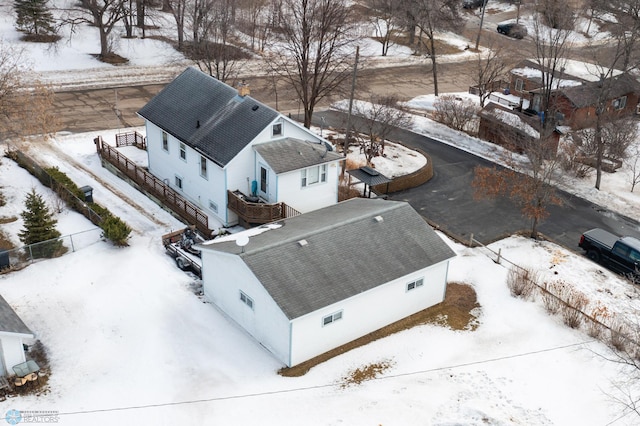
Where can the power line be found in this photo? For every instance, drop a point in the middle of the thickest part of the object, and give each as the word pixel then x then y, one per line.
pixel 315 387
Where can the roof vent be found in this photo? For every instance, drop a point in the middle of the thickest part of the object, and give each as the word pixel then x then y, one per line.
pixel 378 219
pixel 254 108
pixel 197 124
pixel 302 243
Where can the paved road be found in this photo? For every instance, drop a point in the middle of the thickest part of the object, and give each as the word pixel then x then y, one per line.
pixel 447 199
pixel 87 110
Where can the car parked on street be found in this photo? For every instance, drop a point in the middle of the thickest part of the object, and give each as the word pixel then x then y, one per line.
pixel 513 30
pixel 473 4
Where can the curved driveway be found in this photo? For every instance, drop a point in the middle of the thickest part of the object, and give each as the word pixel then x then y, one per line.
pixel 447 199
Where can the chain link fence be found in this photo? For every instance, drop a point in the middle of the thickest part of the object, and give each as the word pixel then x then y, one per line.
pixel 18 258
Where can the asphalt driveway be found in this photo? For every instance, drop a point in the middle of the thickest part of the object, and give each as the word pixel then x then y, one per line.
pixel 447 200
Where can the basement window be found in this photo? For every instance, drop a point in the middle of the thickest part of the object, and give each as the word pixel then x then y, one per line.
pixel 415 284
pixel 246 299
pixel 329 319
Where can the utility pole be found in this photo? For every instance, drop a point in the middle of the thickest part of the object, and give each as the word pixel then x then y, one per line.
pixel 484 7
pixel 345 146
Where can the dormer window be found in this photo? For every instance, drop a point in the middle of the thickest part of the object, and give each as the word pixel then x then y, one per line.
pixel 276 130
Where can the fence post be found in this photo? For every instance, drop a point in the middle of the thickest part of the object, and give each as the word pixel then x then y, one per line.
pixel 471 240
pixel 73 249
pixel 499 255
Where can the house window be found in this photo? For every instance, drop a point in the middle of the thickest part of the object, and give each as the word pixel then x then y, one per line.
pixel 178 182
pixel 314 175
pixel 213 206
pixel 415 284
pixel 276 129
pixel 165 141
pixel 203 166
pixel 332 318
pixel 183 151
pixel 246 299
pixel 519 84
pixel 263 180
pixel 619 103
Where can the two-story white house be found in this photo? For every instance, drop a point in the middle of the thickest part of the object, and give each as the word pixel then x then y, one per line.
pixel 230 154
pixel 310 283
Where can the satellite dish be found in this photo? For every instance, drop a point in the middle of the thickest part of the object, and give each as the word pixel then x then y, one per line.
pixel 242 241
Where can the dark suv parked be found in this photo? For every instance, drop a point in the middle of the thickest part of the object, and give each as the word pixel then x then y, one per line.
pixel 512 30
pixel 473 4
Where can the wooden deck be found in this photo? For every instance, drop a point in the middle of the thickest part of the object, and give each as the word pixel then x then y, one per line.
pixel 258 212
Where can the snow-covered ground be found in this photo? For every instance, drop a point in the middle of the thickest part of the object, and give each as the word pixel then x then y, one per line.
pixel 131 342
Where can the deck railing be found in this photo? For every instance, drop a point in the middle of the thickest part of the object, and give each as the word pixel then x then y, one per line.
pixel 257 213
pixel 148 182
pixel 131 139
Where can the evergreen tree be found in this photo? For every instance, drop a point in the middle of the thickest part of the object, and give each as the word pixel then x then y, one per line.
pixel 39 226
pixel 34 17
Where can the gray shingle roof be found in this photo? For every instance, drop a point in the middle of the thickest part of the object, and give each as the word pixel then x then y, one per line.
pixel 10 322
pixel 347 252
pixel 208 115
pixel 294 154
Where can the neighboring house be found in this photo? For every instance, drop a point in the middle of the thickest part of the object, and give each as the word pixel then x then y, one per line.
pixel 511 128
pixel 214 144
pixel 576 88
pixel 12 333
pixel 311 283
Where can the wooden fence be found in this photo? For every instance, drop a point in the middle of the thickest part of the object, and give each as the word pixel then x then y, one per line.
pixel 168 196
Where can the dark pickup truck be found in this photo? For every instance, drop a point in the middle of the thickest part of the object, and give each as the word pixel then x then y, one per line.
pixel 620 254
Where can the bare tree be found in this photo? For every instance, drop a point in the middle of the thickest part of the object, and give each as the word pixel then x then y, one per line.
pixel 616 136
pixel 379 117
pixel 252 14
pixel 459 114
pixel 103 14
pixel 25 109
pixel 212 49
pixel 385 20
pixel 178 9
pixel 312 55
pixel 128 17
pixel 620 57
pixel 632 164
pixel 431 16
pixel 489 71
pixel 527 180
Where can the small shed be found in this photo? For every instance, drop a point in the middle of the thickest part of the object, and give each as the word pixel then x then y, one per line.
pixel 12 333
pixel 370 177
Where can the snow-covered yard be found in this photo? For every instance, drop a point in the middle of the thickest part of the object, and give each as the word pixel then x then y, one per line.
pixel 130 341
